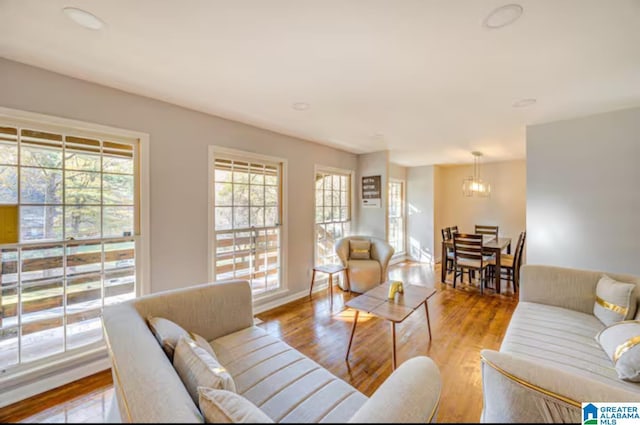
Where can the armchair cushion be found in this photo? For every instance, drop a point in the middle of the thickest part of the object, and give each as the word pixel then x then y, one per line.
pixel 615 301
pixel 364 274
pixel 359 250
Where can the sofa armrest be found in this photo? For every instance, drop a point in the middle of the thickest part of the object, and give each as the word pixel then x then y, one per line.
pixel 342 250
pixel 561 287
pixel 515 389
pixel 382 252
pixel 410 394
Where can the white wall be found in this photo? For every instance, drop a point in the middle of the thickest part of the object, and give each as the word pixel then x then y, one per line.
pixel 583 194
pixel 373 221
pixel 506 207
pixel 179 144
pixel 420 213
pixel 397 172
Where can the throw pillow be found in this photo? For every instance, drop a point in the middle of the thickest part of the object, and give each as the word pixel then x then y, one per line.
pixel 168 333
pixel 220 406
pixel 359 250
pixel 615 301
pixel 197 368
pixel 621 342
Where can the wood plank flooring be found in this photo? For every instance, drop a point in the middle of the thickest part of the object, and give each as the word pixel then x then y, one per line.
pixel 462 321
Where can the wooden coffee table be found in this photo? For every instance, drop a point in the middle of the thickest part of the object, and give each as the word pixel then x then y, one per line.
pixel 376 302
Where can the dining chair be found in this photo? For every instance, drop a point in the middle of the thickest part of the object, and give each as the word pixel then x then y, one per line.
pixel 510 264
pixel 481 229
pixel 467 251
pixel 446 236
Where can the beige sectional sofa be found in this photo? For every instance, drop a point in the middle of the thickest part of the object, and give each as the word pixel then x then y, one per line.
pixel 549 361
pixel 286 385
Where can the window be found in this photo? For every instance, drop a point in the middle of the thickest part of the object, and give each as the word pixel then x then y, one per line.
pixel 246 215
pixel 396 216
pixel 68 220
pixel 333 212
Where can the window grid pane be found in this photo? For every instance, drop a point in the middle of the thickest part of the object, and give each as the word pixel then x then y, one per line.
pixel 246 223
pixel 396 216
pixel 52 290
pixel 333 214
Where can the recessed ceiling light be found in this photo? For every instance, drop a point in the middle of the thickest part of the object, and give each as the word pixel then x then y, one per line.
pixel 300 106
pixel 83 18
pixel 503 16
pixel 524 102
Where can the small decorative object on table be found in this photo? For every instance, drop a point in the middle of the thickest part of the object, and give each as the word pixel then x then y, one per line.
pixel 395 287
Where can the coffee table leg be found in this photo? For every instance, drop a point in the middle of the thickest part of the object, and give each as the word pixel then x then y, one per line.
pixel 313 277
pixel 353 330
pixel 393 340
pixel 330 291
pixel 426 309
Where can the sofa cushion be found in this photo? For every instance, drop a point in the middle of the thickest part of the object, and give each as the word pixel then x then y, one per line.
pixel 621 343
pixel 563 339
pixel 197 368
pixel 615 301
pixel 168 333
pixel 359 250
pixel 220 406
pixel 286 385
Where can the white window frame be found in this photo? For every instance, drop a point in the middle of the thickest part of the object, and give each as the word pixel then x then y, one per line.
pixel 327 169
pixel 404 215
pixel 65 367
pixel 225 152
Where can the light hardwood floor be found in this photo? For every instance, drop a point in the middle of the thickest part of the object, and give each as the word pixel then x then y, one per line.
pixel 462 321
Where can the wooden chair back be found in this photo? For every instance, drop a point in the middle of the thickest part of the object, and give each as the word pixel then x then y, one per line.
pixel 481 229
pixel 467 246
pixel 446 233
pixel 454 229
pixel 517 258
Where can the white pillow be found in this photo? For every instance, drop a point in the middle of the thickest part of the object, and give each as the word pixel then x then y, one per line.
pixel 621 342
pixel 615 301
pixel 168 333
pixel 220 406
pixel 197 368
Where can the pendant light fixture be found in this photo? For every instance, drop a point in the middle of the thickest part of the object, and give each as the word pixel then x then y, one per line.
pixel 474 185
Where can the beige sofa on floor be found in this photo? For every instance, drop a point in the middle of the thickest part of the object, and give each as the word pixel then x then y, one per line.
pixel 549 361
pixel 282 382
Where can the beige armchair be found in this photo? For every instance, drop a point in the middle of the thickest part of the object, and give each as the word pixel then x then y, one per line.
pixel 364 274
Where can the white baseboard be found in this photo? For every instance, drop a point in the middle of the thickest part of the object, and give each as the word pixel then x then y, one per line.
pixel 398 259
pixel 35 382
pixel 317 287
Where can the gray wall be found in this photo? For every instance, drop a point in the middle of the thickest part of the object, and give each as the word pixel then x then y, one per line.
pixel 373 221
pixel 583 193
pixel 178 151
pixel 420 213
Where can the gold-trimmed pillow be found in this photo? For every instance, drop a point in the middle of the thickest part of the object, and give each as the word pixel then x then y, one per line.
pixel 168 333
pixel 220 406
pixel 615 301
pixel 621 342
pixel 359 250
pixel 197 368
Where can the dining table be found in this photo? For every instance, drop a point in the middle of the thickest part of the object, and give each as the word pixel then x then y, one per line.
pixel 490 246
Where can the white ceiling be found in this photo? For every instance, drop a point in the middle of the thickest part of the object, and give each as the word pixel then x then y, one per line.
pixel 421 78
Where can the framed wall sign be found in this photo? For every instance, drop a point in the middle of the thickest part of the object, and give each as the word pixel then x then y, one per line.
pixel 371 191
